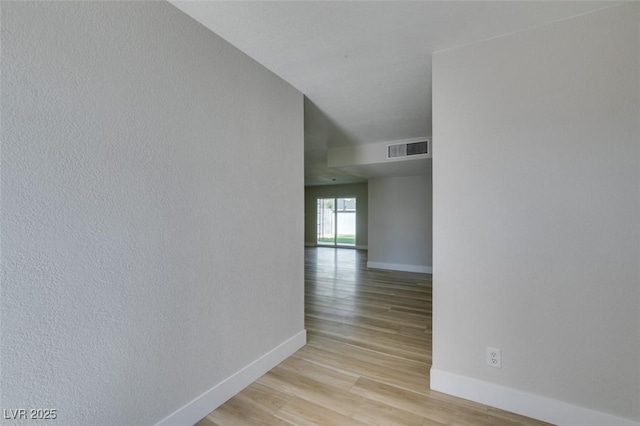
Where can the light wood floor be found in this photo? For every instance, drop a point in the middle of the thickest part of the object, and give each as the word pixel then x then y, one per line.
pixel 367 359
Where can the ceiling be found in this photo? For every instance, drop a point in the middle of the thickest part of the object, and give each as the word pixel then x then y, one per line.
pixel 365 67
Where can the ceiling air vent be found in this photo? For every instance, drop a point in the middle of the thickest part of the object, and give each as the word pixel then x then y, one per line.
pixel 407 149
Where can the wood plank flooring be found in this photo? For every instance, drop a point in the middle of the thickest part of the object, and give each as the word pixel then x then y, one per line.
pixel 367 359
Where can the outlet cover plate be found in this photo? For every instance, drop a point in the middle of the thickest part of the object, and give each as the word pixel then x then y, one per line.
pixel 494 358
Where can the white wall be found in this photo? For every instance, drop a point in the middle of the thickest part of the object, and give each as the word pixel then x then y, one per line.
pixel 369 153
pixel 400 232
pixel 536 217
pixel 137 148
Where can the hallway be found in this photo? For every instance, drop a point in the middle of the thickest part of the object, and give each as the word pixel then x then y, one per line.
pixel 367 359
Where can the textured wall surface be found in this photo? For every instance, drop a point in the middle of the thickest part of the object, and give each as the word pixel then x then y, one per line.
pixel 537 207
pixel 400 212
pixel 152 193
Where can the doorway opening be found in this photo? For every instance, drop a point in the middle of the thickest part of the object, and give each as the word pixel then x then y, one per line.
pixel 336 221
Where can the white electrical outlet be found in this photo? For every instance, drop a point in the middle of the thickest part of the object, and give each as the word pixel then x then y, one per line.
pixel 493 358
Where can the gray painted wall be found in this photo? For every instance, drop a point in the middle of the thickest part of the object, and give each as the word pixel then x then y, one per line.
pixel 312 193
pixel 137 148
pixel 400 212
pixel 536 210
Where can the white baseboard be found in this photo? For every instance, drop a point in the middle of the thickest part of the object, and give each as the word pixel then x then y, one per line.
pixel 362 247
pixel 524 403
pixel 309 244
pixel 195 410
pixel 400 267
